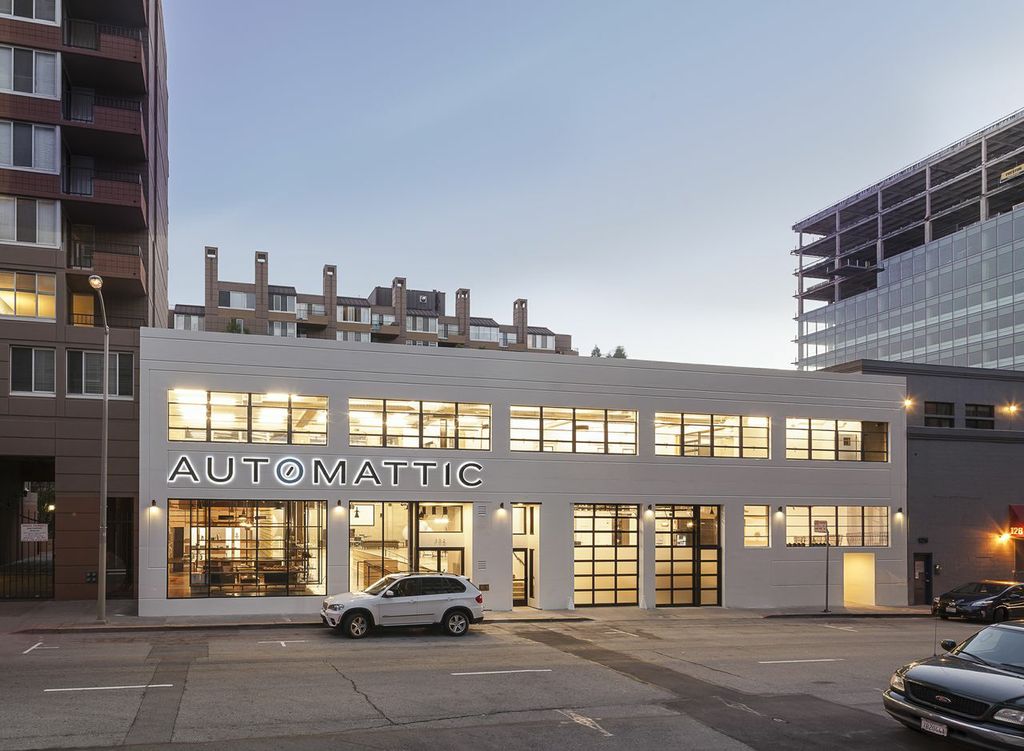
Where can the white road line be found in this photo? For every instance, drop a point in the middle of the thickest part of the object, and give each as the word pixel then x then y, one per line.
pixel 838 628
pixel 107 688
pixel 782 662
pixel 503 672
pixel 585 721
pixel 284 643
pixel 37 646
pixel 624 633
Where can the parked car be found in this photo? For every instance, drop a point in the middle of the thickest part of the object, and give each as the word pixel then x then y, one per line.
pixel 407 599
pixel 973 693
pixel 985 600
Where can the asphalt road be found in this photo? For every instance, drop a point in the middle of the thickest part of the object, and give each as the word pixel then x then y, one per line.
pixel 640 683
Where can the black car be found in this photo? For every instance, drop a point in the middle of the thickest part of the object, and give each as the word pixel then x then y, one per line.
pixel 973 693
pixel 984 600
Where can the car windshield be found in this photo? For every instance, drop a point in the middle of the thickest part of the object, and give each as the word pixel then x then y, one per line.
pixel 381 584
pixel 996 645
pixel 980 588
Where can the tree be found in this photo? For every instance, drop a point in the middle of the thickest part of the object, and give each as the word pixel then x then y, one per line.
pixel 595 352
pixel 235 326
pixel 620 353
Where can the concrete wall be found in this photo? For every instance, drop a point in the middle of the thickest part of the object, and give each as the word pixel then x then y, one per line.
pixel 776 576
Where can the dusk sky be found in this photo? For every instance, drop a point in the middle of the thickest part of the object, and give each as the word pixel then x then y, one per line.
pixel 632 168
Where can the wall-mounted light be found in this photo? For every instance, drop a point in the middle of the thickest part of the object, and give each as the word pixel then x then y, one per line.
pixel 778 510
pixel 650 507
pixel 51 508
pixel 1004 537
pixel 899 510
pixel 339 506
pixel 907 402
pixel 1011 409
pixel 152 503
pixel 501 505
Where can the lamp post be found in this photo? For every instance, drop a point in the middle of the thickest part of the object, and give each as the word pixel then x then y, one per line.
pixel 96 282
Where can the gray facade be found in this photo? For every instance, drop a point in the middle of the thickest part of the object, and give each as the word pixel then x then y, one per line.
pixel 964 473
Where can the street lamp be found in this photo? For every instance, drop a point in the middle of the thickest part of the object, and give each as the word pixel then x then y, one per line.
pixel 96 282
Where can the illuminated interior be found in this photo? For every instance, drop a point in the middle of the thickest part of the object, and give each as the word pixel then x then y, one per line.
pixel 688 555
pixel 399 423
pixel 229 417
pixel 606 554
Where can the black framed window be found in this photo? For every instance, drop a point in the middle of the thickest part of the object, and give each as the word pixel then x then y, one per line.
pixel 229 417
pixel 939 415
pixel 687 549
pixel 848 526
pixel 85 373
pixel 32 370
pixel 708 435
pixel 837 440
pixel 980 416
pixel 405 423
pixel 574 430
pixel 606 554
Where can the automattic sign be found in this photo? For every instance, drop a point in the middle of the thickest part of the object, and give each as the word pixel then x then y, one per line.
pixel 294 471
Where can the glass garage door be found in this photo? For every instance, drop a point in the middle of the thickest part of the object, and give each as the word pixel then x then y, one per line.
pixel 606 554
pixel 687 555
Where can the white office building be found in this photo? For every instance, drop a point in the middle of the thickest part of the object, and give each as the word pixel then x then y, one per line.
pixel 273 472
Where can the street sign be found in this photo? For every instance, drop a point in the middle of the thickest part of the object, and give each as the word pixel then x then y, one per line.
pixel 35 532
pixel 820 527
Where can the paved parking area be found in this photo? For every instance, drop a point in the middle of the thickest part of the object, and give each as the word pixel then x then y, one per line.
pixel 640 680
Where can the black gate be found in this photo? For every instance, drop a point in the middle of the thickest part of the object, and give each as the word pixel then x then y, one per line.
pixel 26 558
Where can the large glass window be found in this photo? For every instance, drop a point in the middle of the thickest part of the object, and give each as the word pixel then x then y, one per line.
pixel 426 324
pixel 848 526
pixel 354 313
pixel 689 434
pixel 236 300
pixel 26 220
pixel 85 373
pixel 30 10
pixel 25 71
pixel 573 430
pixel 756 527
pixel 403 423
pixel 29 146
pixel 842 440
pixel 283 328
pixel 246 548
pixel 541 341
pixel 27 295
pixel 483 333
pixel 283 303
pixel 687 555
pixel 606 554
pixel 194 415
pixel 32 370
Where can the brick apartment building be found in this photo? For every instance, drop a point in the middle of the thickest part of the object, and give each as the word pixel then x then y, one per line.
pixel 83 190
pixel 394 314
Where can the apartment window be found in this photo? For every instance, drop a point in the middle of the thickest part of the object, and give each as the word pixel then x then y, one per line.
pixel 26 220
pixel 30 146
pixel 188 322
pixel 508 338
pixel 32 10
pixel 483 333
pixel 420 343
pixel 353 336
pixel 427 324
pixel 27 295
pixel 757 527
pixel 228 417
pixel 938 415
pixel 32 370
pixel 399 423
pixel 246 548
pixel 848 526
pixel 541 341
pixel 445 330
pixel 688 434
pixel 282 328
pixel 353 314
pixel 282 303
pixel 837 440
pixel 85 373
pixel 306 310
pixel 980 416
pixel 83 309
pixel 382 319
pixel 24 71
pixel 237 300
pixel 573 430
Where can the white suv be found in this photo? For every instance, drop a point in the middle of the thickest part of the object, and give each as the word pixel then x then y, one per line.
pixel 411 599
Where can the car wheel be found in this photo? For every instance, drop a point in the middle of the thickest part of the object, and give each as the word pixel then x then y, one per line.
pixel 455 623
pixel 356 625
pixel 999 614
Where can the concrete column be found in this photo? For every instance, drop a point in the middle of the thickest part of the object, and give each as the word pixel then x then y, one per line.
pixel 648 555
pixel 261 277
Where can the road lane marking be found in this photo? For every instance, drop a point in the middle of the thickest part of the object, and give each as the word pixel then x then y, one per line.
pixel 839 628
pixel 503 672
pixel 585 721
pixel 624 633
pixel 107 688
pixel 782 662
pixel 285 643
pixel 38 645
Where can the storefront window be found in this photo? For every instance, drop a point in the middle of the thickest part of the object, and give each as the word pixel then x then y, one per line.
pixel 572 430
pixel 848 526
pixel 397 423
pixel 229 417
pixel 246 548
pixel 606 554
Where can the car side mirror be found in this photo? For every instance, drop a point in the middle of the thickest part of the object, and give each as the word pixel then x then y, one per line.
pixel 389 593
pixel 947 644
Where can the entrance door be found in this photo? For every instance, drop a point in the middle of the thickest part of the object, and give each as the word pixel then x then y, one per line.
pixel 26 535
pixel 688 555
pixel 525 553
pixel 922 578
pixel 522 576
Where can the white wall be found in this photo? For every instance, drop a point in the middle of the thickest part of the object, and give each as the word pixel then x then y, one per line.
pixel 772 577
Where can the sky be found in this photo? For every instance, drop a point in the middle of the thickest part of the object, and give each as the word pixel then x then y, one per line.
pixel 633 169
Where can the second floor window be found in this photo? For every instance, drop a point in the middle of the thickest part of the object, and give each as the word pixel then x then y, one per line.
pixel 29 146
pixel 27 295
pixel 229 417
pixel 32 370
pixel 27 220
pixel 188 322
pixel 938 414
pixel 282 303
pixel 483 333
pixel 403 423
pixel 837 440
pixel 980 416
pixel 353 313
pixel 541 341
pixel 34 10
pixel 573 430
pixel 689 434
pixel 237 300
pixel 24 71
pixel 85 373
pixel 421 323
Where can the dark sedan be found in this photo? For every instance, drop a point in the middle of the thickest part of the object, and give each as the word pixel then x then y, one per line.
pixel 982 600
pixel 973 693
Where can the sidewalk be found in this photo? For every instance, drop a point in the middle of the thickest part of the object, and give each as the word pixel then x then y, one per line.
pixel 79 616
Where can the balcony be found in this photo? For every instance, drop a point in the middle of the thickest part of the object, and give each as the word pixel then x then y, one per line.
pixel 311 314
pixel 90 48
pixel 105 197
pixel 120 265
pixel 103 125
pixel 115 322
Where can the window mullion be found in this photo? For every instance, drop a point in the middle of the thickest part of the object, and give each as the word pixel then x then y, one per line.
pixel 208 425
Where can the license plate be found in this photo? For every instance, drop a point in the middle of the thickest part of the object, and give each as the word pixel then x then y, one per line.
pixel 936 728
pixel 950 608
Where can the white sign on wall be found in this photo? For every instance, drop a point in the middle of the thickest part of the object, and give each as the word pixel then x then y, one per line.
pixel 35 533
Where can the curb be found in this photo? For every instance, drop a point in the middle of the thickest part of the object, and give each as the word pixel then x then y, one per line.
pixel 108 629
pixel 848 615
